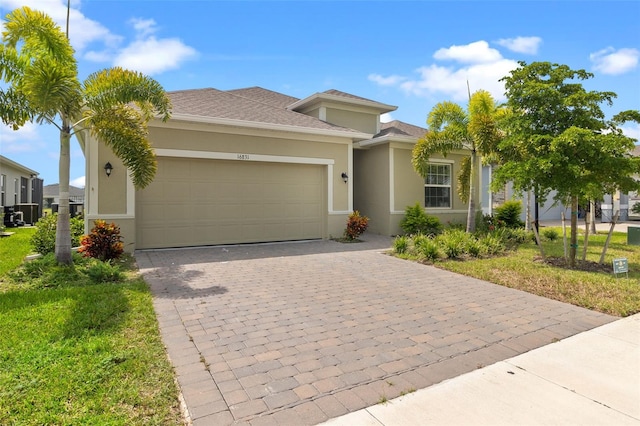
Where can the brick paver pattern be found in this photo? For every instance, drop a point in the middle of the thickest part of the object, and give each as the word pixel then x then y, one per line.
pixel 298 333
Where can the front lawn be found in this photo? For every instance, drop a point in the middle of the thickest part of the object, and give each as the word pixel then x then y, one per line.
pixel 74 351
pixel 601 291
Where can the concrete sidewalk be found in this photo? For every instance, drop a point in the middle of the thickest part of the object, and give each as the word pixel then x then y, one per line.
pixel 590 378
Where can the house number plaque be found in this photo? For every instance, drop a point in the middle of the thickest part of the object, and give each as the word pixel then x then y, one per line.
pixel 242 157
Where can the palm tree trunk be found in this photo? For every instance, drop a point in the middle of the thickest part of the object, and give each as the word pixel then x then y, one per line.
pixel 471 214
pixel 574 231
pixel 63 230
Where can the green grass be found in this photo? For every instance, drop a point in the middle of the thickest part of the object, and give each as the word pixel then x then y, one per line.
pixel 14 248
pixel 600 291
pixel 76 352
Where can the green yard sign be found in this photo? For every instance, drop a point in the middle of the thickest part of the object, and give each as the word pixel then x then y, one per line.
pixel 621 266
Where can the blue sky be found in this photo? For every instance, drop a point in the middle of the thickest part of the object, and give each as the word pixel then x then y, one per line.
pixel 409 54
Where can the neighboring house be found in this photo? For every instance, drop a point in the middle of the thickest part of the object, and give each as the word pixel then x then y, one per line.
pixel 253 165
pixel 550 210
pixel 20 190
pixel 52 195
pixel 634 197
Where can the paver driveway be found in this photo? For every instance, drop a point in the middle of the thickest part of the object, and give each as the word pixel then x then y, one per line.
pixel 298 333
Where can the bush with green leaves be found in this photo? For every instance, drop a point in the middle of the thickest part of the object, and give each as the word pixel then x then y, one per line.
pixel 492 244
pixel 508 214
pixel 636 208
pixel 426 248
pixel 454 242
pixel 401 244
pixel 44 239
pixel 104 272
pixel 550 234
pixel 103 242
pixel 417 221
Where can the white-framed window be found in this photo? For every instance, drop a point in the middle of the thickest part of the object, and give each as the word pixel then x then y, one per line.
pixel 3 189
pixel 437 186
pixel 16 190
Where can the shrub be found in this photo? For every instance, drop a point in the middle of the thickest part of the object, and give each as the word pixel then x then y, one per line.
pixel 512 236
pixel 356 225
pixel 636 208
pixel 104 272
pixel 453 243
pixel 103 242
pixel 492 244
pixel 400 244
pixel 508 214
pixel 474 248
pixel 417 221
pixel 44 239
pixel 550 234
pixel 426 247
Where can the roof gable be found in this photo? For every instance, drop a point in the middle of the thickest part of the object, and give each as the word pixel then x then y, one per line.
pixel 400 128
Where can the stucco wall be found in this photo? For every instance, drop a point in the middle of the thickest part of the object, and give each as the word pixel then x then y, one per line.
pixel 371 186
pixel 112 197
pixel 364 122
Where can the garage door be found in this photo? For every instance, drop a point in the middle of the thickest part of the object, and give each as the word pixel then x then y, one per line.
pixel 194 202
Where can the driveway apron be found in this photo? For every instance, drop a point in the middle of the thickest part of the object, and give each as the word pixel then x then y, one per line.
pixel 298 333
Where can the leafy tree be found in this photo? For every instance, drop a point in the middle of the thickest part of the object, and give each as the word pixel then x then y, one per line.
pixel 114 105
pixel 451 128
pixel 557 138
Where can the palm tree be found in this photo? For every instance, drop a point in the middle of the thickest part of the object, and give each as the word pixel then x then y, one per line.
pixel 451 128
pixel 114 105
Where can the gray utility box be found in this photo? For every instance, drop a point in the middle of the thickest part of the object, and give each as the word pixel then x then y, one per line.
pixel 633 235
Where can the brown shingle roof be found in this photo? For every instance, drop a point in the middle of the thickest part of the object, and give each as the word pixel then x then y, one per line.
pixel 400 128
pixel 265 96
pixel 215 103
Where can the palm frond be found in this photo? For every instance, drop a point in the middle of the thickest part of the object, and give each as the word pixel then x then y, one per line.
pixel 14 108
pixel 124 129
pixel 446 114
pixel 107 88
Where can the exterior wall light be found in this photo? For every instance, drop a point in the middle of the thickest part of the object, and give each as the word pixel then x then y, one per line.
pixel 345 177
pixel 108 168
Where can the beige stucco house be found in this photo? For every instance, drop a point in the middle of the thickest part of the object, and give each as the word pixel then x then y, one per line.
pixel 253 165
pixel 20 191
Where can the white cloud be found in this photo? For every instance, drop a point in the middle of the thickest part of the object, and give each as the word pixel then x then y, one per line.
pixel 615 62
pixel 78 182
pixel 153 56
pixel 143 27
pixel 528 45
pixel 82 30
pixel 96 43
pixel 436 80
pixel 391 80
pixel 632 131
pixel 386 118
pixel 25 139
pixel 481 67
pixel 150 55
pixel 472 53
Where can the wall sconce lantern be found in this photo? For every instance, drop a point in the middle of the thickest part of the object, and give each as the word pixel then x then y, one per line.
pixel 108 168
pixel 345 177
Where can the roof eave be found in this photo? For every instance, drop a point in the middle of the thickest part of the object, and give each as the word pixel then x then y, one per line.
pixel 319 97
pixel 356 136
pixel 386 139
pixel 19 166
